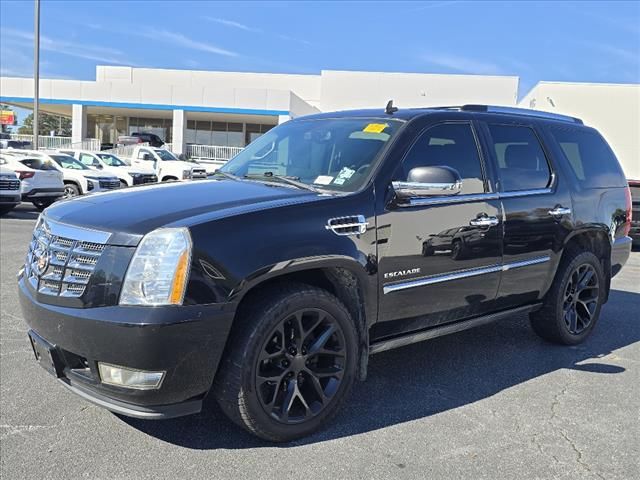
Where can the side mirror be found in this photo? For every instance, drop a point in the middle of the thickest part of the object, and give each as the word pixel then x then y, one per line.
pixel 98 166
pixel 429 182
pixel 146 156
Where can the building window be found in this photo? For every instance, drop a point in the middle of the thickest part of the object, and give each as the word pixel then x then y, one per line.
pixel 254 130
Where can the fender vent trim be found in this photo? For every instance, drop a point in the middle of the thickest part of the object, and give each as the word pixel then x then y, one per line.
pixel 349 225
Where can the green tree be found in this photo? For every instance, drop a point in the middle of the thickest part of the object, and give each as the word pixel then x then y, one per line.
pixel 60 125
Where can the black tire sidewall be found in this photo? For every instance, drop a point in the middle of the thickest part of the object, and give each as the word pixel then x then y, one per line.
pixel 580 259
pixel 271 318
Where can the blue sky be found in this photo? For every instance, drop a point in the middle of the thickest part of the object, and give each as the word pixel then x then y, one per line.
pixel 565 41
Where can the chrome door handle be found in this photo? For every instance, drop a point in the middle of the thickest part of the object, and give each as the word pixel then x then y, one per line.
pixel 560 211
pixel 484 222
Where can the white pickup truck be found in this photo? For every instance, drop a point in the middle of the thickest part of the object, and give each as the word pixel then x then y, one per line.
pixel 166 165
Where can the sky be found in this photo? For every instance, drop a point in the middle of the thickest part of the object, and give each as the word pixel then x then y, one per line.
pixel 588 41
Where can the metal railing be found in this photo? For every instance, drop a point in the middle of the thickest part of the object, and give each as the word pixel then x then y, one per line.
pixel 59 142
pixel 215 153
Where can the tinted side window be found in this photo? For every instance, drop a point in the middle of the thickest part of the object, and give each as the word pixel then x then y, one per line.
pixel 87 159
pixel 141 153
pixel 589 157
pixel 448 144
pixel 522 164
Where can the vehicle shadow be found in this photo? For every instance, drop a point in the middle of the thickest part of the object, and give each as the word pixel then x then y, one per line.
pixel 22 212
pixel 430 377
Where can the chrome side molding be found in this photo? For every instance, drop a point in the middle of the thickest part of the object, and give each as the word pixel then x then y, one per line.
pixel 473 272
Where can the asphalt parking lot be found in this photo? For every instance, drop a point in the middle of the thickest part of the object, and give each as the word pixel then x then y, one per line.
pixel 494 402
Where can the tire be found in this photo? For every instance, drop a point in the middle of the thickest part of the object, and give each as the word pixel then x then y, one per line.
pixel 169 179
pixel 567 305
pixel 71 190
pixel 457 250
pixel 261 372
pixel 42 204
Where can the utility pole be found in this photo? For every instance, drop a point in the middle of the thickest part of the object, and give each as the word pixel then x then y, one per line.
pixel 36 72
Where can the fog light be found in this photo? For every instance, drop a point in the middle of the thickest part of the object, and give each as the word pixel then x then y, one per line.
pixel 129 377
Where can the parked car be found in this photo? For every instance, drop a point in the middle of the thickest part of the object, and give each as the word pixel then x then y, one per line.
pixel 634 188
pixel 269 287
pixel 9 189
pixel 14 144
pixel 141 137
pixel 42 183
pixel 110 163
pixel 78 178
pixel 166 165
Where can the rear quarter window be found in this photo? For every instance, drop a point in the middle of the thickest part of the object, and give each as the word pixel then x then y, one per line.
pixel 589 157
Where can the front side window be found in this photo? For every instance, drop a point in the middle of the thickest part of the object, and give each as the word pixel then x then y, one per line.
pixel 111 160
pixel 165 155
pixel 89 160
pixel 522 164
pixel 335 154
pixel 451 145
pixel 142 152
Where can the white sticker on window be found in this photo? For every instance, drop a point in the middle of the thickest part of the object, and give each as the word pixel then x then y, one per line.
pixel 345 174
pixel 323 180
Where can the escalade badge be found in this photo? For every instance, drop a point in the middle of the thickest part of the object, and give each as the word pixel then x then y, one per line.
pixel 402 273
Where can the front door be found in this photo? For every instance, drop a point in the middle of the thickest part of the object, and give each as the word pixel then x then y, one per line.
pixel 439 257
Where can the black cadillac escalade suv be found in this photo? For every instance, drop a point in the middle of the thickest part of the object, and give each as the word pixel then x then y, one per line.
pixel 330 238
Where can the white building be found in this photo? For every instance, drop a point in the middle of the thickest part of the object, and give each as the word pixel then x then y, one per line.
pixel 614 109
pixel 230 109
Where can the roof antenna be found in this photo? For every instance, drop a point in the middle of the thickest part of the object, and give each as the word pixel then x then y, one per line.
pixel 390 109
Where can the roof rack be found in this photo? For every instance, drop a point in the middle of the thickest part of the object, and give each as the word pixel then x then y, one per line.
pixel 514 111
pixel 520 111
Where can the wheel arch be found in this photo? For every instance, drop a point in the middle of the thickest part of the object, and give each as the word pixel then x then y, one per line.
pixel 76 183
pixel 344 278
pixel 597 241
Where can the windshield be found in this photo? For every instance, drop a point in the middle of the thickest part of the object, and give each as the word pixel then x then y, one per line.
pixel 65 161
pixel 111 160
pixel 335 154
pixel 165 155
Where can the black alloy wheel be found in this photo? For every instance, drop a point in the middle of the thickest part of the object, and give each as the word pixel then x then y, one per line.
pixel 581 297
pixel 301 366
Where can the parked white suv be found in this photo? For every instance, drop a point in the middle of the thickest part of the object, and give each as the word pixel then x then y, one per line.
pixel 42 183
pixel 166 165
pixel 110 163
pixel 9 189
pixel 78 178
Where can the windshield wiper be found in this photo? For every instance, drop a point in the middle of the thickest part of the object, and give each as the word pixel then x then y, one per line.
pixel 295 181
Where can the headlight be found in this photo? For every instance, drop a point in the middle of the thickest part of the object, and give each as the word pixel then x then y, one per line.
pixel 186 174
pixel 158 272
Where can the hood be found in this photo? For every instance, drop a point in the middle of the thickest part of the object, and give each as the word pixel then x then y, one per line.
pixel 133 212
pixel 137 169
pixel 96 173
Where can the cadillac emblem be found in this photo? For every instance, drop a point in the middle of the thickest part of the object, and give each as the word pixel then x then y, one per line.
pixel 43 262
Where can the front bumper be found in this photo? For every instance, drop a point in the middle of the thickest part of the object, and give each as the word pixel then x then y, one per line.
pixel 186 342
pixel 9 198
pixel 620 252
pixel 40 193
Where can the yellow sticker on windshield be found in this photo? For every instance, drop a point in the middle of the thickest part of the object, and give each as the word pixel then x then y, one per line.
pixel 375 128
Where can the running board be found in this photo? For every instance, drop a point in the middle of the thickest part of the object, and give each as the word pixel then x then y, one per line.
pixel 435 332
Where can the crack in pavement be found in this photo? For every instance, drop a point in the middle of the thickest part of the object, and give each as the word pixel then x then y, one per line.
pixel 579 455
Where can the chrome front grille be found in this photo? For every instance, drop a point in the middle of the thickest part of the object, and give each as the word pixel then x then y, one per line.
pixel 9 184
pixel 109 184
pixel 62 257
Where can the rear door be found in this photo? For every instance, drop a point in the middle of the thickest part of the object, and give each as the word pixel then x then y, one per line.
pixel 46 175
pixel 536 205
pixel 439 257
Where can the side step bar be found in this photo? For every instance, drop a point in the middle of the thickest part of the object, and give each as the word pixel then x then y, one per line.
pixel 435 332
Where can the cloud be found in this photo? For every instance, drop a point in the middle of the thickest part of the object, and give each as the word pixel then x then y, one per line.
pixel 17 39
pixel 291 39
pixel 231 23
pixel 184 41
pixel 463 64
